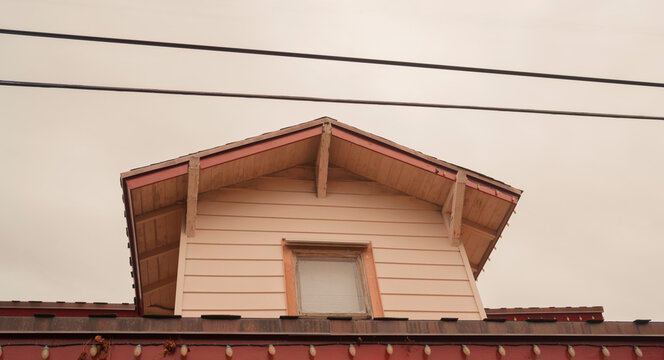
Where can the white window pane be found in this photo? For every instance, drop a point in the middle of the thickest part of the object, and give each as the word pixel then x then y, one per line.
pixel 329 285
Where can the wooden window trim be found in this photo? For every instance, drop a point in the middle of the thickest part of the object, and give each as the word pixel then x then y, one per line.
pixel 332 249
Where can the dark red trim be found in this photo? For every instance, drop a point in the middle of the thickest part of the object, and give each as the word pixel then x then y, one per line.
pixel 559 313
pixel 487 189
pixel 214 348
pixel 156 176
pixel 409 159
pixel 418 330
pixel 222 157
pixel 382 149
pixel 133 250
pixel 30 308
pixel 259 147
pixel 66 312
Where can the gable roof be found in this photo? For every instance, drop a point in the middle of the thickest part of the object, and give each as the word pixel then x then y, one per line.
pixel 155 196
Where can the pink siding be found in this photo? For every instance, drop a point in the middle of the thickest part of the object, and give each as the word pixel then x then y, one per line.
pixel 234 263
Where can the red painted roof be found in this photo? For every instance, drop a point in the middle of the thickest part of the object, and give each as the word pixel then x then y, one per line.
pixel 582 313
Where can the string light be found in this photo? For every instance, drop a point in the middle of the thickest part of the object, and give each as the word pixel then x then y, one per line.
pixel 427 350
pixel 93 350
pixel 637 351
pixel 501 351
pixel 570 351
pixel 537 350
pixel 138 350
pixel 605 351
pixel 465 350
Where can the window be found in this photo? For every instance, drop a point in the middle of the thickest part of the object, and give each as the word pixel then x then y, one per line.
pixel 331 279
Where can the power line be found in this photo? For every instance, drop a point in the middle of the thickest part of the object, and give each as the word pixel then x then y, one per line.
pixel 330 58
pixel 319 99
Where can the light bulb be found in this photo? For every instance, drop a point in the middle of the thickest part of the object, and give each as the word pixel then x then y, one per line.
pixel 501 351
pixel 138 350
pixel 351 350
pixel 93 350
pixel 312 351
pixel 537 350
pixel 271 350
pixel 229 351
pixel 184 350
pixel 571 351
pixel 466 350
pixel 605 351
pixel 637 351
pixel 427 350
pixel 389 349
pixel 45 353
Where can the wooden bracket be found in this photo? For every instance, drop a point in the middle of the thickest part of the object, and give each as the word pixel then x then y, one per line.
pixel 152 215
pixel 482 230
pixel 456 208
pixel 322 161
pixel 192 195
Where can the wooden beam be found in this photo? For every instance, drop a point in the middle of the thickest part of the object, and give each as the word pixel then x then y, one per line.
pixel 182 257
pixel 457 208
pixel 192 194
pixel 485 231
pixel 447 206
pixel 145 255
pixel 159 284
pixel 489 248
pixel 322 161
pixel 151 215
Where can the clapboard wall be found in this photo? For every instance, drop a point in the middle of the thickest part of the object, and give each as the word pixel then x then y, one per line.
pixel 234 263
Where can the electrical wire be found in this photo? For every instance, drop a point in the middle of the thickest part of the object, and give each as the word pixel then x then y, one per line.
pixel 320 99
pixel 329 57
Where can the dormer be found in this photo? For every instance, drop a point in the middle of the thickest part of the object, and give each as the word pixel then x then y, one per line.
pixel 318 219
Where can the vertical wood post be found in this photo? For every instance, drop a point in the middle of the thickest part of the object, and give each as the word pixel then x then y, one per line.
pixel 322 161
pixel 456 215
pixel 192 195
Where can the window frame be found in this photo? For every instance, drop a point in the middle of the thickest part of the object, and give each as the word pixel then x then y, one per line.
pixel 362 251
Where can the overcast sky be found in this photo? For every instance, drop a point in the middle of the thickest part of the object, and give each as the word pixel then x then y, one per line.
pixel 588 226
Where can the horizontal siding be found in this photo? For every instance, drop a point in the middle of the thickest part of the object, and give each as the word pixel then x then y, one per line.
pixel 319 212
pixel 411 271
pixel 234 252
pixel 417 257
pixel 233 267
pixel 234 263
pixel 233 284
pixel 277 224
pixel 274 238
pixel 248 301
pixel 424 287
pixel 307 198
pixel 428 303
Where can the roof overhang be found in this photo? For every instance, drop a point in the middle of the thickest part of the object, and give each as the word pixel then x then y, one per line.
pixel 161 189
